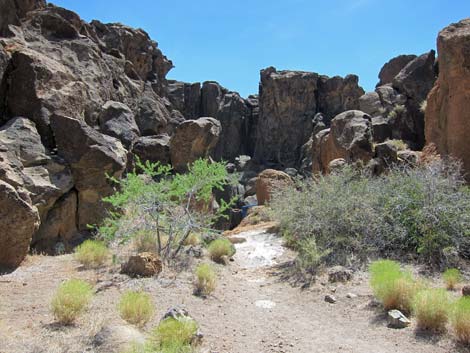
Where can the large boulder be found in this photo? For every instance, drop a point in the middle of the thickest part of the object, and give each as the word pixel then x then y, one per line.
pixel 14 10
pixel 349 137
pixel 292 99
pixel 268 181
pixel 153 149
pixel 93 157
pixel 117 120
pixel 18 222
pixel 393 67
pixel 448 104
pixel 193 139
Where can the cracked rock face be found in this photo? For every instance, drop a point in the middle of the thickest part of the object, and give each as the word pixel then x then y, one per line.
pixel 447 111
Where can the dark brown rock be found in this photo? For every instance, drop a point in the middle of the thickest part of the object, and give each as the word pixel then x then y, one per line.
pixel 448 104
pixel 193 139
pixel 292 99
pixel 153 149
pixel 117 120
pixel 18 222
pixel 392 68
pixel 92 157
pixel 349 137
pixel 185 97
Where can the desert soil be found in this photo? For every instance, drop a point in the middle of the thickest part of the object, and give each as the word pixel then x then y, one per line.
pixel 253 310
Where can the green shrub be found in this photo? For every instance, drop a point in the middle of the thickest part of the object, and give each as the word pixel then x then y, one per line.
pixel 206 279
pixel 92 253
pixel 431 308
pixel 174 335
pixel 71 300
pixel 193 239
pixel 393 287
pixel 136 307
pixel 452 277
pixel 460 320
pixel 219 248
pixel 349 216
pixel 161 211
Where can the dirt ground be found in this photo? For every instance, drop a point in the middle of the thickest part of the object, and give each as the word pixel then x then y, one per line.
pixel 253 310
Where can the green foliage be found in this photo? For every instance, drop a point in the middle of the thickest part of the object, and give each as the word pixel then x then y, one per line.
pixel 136 307
pixel 173 336
pixel 71 300
pixel 431 308
pixel 160 210
pixel 460 320
pixel 452 277
pixel 92 253
pixel 392 286
pixel 349 216
pixel 219 248
pixel 206 280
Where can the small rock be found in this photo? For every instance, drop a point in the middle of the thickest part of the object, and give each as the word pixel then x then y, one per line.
pixel 330 299
pixel 351 295
pixel 396 319
pixel 195 251
pixel 339 274
pixel 466 291
pixel 142 265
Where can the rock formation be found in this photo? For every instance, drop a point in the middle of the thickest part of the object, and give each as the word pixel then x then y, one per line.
pixel 396 104
pixel 288 103
pixel 448 104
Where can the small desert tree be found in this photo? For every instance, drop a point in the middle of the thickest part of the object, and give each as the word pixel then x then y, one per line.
pixel 169 206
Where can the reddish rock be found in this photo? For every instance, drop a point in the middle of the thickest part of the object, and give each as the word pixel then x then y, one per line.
pixel 268 181
pixel 448 104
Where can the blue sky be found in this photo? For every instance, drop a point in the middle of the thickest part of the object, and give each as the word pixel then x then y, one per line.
pixel 230 41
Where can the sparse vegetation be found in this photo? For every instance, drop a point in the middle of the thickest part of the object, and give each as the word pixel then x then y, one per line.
pixel 392 286
pixel 423 106
pixel 460 320
pixel 431 308
pixel 71 300
pixel 162 210
pixel 452 277
pixel 136 307
pixel 400 145
pixel 350 216
pixel 397 111
pixel 206 280
pixel 193 239
pixel 173 336
pixel 219 248
pixel 92 253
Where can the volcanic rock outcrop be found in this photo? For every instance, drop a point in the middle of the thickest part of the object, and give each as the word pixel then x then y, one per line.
pixel 448 104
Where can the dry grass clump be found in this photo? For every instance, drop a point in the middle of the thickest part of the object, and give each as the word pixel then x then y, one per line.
pixel 452 278
pixel 206 280
pixel 71 300
pixel 392 286
pixel 193 239
pixel 92 253
pixel 173 336
pixel 219 248
pixel 460 320
pixel 136 307
pixel 431 308
pixel 400 145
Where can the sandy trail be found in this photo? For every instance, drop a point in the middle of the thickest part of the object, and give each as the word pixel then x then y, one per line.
pixel 252 310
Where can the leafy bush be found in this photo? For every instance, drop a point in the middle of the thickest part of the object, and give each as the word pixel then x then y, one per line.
pixel 71 300
pixel 169 208
pixel 173 335
pixel 393 287
pixel 350 216
pixel 136 307
pixel 205 279
pixel 452 277
pixel 219 248
pixel 460 319
pixel 92 253
pixel 431 308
